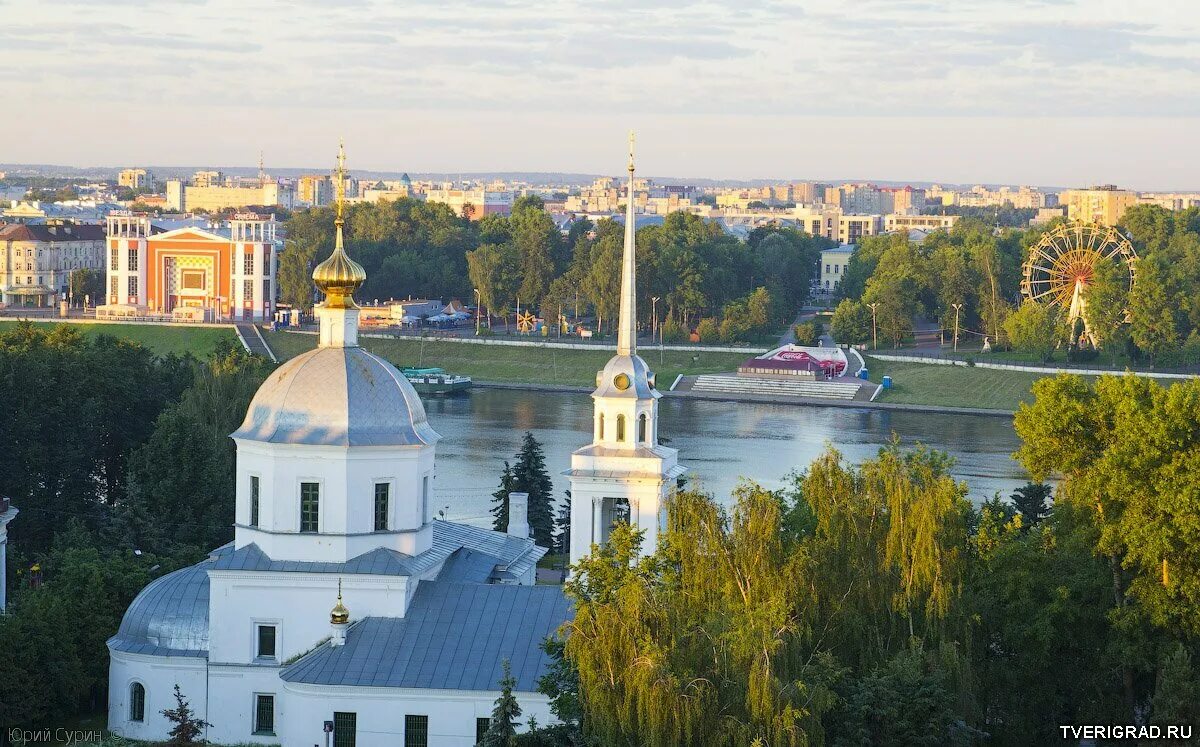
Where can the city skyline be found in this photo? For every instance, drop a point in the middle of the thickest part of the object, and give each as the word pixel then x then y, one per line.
pixel 994 93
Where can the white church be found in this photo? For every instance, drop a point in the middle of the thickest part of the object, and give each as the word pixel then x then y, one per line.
pixel 342 605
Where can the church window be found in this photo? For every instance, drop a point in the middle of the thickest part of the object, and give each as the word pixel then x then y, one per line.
pixel 310 506
pixel 381 506
pixel 641 434
pixel 620 427
pixel 481 728
pixel 345 729
pixel 265 648
pixel 264 714
pixel 253 500
pixel 137 702
pixel 416 731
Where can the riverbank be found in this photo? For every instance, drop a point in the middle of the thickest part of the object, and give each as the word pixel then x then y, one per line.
pixel 961 387
pixel 524 365
pixel 162 339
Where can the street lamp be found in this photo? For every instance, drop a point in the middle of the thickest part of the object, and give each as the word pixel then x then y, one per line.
pixel 957 308
pixel 654 316
pixel 478 304
pixel 874 331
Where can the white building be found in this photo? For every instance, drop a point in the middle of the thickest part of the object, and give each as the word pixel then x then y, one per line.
pixel 7 513
pixel 335 461
pixel 37 259
pixel 624 474
pixel 833 266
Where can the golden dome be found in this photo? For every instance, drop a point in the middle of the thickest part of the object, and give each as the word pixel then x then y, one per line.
pixel 339 276
pixel 339 615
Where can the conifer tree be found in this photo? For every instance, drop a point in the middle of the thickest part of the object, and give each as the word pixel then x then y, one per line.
pixel 500 499
pixel 530 476
pixel 503 730
pixel 187 728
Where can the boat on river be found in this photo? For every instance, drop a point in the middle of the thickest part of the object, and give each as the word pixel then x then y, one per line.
pixel 436 381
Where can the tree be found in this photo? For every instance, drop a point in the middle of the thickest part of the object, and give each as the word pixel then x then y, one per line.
pixel 500 499
pixel 1030 500
pixel 537 242
pixel 894 287
pixel 1036 328
pixel 602 284
pixel 808 333
pixel 758 309
pixel 182 477
pixel 86 283
pixel 502 732
pixel 562 523
pixel 851 322
pixel 81 405
pixel 1124 446
pixel 714 606
pixel 1106 301
pixel 1154 308
pixel 187 727
pixel 494 271
pixel 529 475
pixel 1150 227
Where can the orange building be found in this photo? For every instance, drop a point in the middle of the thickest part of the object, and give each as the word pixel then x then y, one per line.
pixel 191 273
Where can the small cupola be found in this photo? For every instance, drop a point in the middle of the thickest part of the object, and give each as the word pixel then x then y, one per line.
pixel 339 620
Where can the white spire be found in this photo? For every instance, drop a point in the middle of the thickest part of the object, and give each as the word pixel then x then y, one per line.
pixel 627 329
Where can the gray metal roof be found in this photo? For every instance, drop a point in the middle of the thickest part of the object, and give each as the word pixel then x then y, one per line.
pixel 169 617
pixel 454 637
pixel 517 555
pixel 337 397
pixel 469 565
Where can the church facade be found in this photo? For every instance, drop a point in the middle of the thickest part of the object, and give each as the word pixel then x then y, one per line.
pixel 335 460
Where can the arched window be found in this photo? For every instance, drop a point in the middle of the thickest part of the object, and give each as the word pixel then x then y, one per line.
pixel 641 436
pixel 137 702
pixel 600 428
pixel 621 428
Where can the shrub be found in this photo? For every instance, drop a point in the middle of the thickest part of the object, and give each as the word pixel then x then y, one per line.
pixel 708 330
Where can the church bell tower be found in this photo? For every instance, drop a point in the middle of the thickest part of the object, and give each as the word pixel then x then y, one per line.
pixel 624 474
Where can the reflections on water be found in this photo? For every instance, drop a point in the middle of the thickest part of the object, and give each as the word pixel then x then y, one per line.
pixel 720 442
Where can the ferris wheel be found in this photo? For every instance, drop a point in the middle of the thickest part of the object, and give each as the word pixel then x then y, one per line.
pixel 1062 265
pixel 526 322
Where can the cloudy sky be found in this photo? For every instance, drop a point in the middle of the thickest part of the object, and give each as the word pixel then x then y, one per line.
pixel 1052 92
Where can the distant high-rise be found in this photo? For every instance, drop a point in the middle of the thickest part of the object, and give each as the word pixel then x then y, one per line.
pixel 314 190
pixel 1104 204
pixel 135 178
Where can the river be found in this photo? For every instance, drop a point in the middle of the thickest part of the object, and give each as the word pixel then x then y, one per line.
pixel 721 442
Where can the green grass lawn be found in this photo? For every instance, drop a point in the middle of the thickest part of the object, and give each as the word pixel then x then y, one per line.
pixel 199 341
pixel 952 386
pixel 520 364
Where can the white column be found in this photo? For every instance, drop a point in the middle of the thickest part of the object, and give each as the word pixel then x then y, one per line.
pixel 597 521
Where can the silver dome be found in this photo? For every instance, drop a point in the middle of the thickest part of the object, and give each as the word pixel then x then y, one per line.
pixel 639 382
pixel 337 396
pixel 169 617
